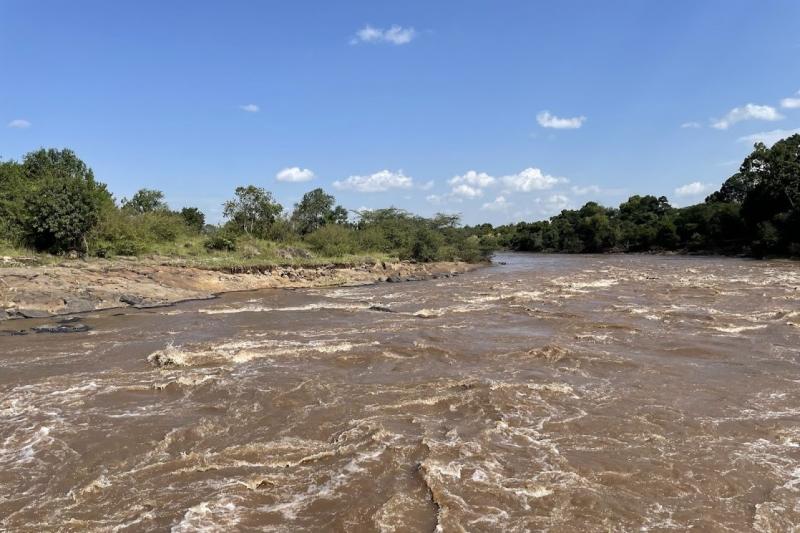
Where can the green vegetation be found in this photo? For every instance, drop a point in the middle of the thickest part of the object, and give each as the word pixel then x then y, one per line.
pixel 50 203
pixel 756 212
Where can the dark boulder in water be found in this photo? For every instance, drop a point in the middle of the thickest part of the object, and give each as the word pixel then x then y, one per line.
pixel 380 308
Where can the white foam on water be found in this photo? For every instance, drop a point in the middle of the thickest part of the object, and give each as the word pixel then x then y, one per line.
pixel 213 516
pixel 317 306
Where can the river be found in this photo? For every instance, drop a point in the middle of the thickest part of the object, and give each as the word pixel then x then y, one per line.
pixel 569 393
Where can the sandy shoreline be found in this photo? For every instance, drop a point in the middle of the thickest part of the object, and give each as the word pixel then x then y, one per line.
pixel 78 286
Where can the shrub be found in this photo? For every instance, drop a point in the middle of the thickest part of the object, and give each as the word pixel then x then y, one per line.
pixel 332 240
pixel 62 202
pixel 220 241
pixel 424 246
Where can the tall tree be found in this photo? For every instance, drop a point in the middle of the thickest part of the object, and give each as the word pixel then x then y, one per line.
pixel 316 209
pixel 253 210
pixel 145 201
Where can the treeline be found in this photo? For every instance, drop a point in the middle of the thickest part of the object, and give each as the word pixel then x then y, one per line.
pixel 756 212
pixel 51 202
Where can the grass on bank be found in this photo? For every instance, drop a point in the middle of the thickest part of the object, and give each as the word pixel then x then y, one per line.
pixel 191 251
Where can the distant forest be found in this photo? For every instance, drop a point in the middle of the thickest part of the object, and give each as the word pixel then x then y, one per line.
pixel 756 212
pixel 50 202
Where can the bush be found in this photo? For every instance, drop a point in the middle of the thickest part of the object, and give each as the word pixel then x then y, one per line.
pixel 62 213
pixel 193 218
pixel 424 246
pixel 332 240
pixel 220 241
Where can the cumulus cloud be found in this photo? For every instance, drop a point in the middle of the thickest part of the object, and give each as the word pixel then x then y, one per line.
pixel 479 179
pixel 19 123
pixel 428 185
pixel 471 184
pixel 546 120
pixel 532 179
pixel 396 35
pixel 467 191
pixel 694 188
pixel 498 204
pixel 589 189
pixel 377 182
pixel 747 112
pixel 769 137
pixel 250 108
pixel 552 204
pixel 294 174
pixel 791 102
pixel 692 125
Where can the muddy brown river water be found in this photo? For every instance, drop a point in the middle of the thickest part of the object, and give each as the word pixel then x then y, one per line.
pixel 561 393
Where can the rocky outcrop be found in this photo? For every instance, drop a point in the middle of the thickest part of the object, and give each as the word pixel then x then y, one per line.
pixel 81 286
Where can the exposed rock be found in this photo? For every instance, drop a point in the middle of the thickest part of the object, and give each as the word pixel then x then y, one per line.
pixel 131 299
pixel 33 313
pixel 380 308
pixel 79 305
pixel 95 284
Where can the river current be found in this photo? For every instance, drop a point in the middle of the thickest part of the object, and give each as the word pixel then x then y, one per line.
pixel 546 392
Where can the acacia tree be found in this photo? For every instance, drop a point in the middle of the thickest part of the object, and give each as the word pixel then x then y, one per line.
pixel 315 210
pixel 253 210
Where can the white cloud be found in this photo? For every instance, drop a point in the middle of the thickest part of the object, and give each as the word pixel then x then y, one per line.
pixel 532 179
pixel 546 120
pixel 294 174
pixel 471 184
pixel 428 185
pixel 498 204
pixel 250 108
pixel 377 182
pixel 792 102
pixel 435 199
pixel 692 125
pixel 478 179
pixel 695 188
pixel 394 35
pixel 589 189
pixel 768 137
pixel 552 204
pixel 747 112
pixel 467 191
pixel 20 123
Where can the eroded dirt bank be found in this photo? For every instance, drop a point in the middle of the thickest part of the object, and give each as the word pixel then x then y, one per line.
pixel 77 286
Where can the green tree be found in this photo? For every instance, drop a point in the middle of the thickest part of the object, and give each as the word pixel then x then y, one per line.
pixel 253 211
pixel 194 219
pixel 145 201
pixel 12 193
pixel 64 202
pixel 315 210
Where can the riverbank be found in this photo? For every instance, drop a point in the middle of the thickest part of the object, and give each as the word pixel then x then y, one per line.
pixel 80 286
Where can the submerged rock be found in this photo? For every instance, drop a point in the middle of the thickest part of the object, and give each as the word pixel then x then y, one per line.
pixel 61 328
pixel 13 333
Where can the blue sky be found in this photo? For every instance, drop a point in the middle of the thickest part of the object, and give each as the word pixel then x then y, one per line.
pixel 501 111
